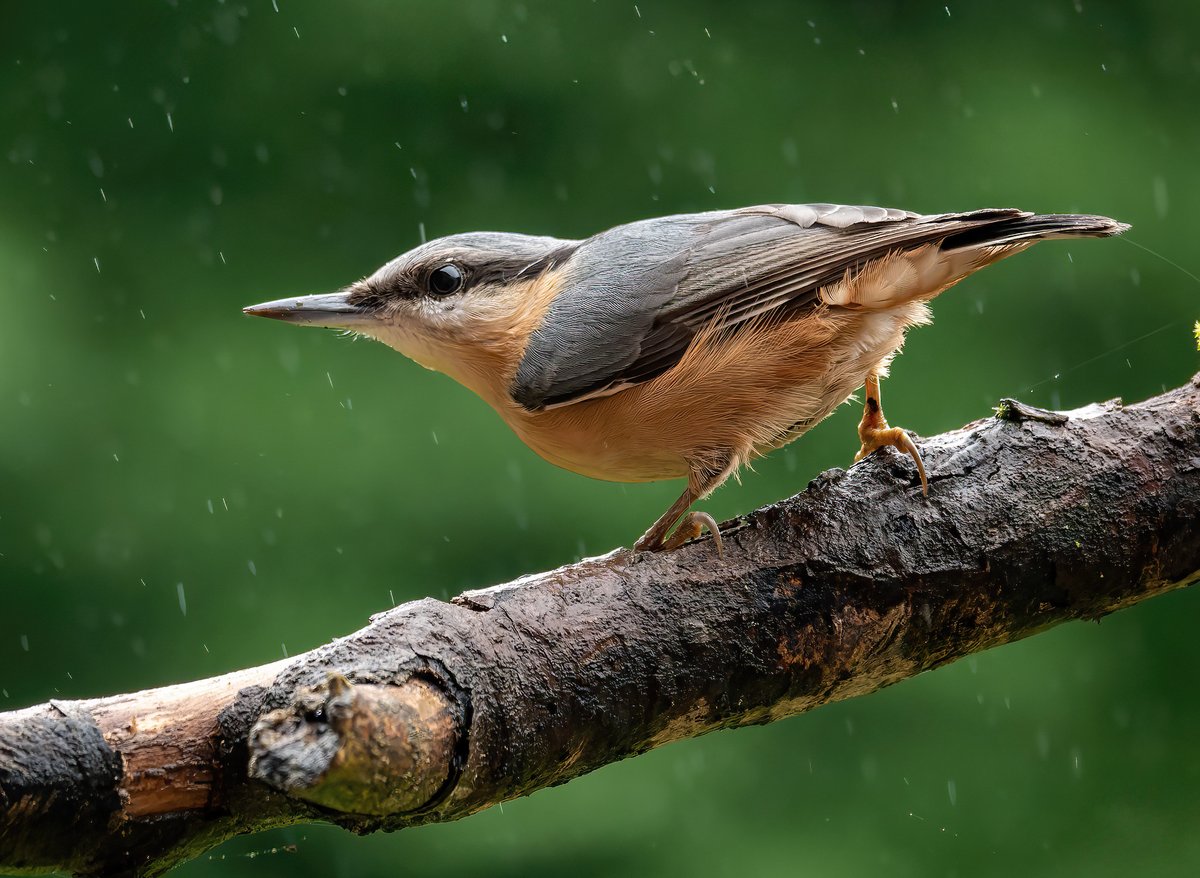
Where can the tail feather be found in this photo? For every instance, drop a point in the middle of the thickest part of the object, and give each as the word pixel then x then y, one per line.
pixel 921 273
pixel 1034 227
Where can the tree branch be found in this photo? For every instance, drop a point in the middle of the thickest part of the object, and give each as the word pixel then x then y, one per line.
pixel 437 710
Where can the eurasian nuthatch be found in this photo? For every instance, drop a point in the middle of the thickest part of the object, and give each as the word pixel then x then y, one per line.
pixel 683 346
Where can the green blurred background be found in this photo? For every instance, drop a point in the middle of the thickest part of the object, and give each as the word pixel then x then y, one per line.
pixel 165 164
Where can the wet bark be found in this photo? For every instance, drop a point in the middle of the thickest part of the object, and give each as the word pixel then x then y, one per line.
pixel 436 710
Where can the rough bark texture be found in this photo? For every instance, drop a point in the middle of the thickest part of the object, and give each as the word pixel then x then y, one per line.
pixel 436 710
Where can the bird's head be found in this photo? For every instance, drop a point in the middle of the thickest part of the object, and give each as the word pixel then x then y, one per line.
pixel 464 305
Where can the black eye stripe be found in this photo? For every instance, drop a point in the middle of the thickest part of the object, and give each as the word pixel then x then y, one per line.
pixel 500 270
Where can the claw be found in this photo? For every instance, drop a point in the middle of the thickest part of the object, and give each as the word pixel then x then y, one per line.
pixel 694 524
pixel 874 439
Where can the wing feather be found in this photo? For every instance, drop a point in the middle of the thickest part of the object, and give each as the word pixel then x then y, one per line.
pixel 637 295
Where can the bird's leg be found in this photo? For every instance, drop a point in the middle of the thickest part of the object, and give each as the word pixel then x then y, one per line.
pixel 704 479
pixel 875 433
pixel 655 539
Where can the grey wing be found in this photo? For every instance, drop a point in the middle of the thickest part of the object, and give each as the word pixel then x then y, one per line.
pixel 635 296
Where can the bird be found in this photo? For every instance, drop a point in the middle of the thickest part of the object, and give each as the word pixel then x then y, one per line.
pixel 682 346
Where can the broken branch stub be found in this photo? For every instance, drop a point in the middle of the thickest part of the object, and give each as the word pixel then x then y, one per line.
pixel 367 748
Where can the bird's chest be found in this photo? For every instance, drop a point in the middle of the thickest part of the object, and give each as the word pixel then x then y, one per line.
pixel 597 438
pixel 742 396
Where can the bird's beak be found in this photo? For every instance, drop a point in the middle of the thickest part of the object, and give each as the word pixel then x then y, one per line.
pixel 326 309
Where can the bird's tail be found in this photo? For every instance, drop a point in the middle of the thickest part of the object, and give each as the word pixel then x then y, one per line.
pixel 931 264
pixel 1034 227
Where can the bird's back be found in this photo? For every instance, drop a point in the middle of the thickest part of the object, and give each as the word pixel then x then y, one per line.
pixel 739 329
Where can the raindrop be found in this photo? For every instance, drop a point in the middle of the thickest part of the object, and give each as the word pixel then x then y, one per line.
pixel 25 642
pixel 296 31
pixel 253 570
pixel 170 122
pixel 96 261
pixel 952 792
pixel 870 768
pixel 182 598
pixel 1160 197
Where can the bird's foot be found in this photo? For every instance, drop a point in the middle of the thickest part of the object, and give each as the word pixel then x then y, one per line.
pixel 874 438
pixel 691 526
pixel 874 432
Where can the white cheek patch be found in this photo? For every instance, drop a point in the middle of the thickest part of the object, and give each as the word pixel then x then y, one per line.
pixel 413 345
pixel 427 330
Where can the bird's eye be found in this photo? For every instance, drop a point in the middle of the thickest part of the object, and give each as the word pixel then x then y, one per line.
pixel 445 280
